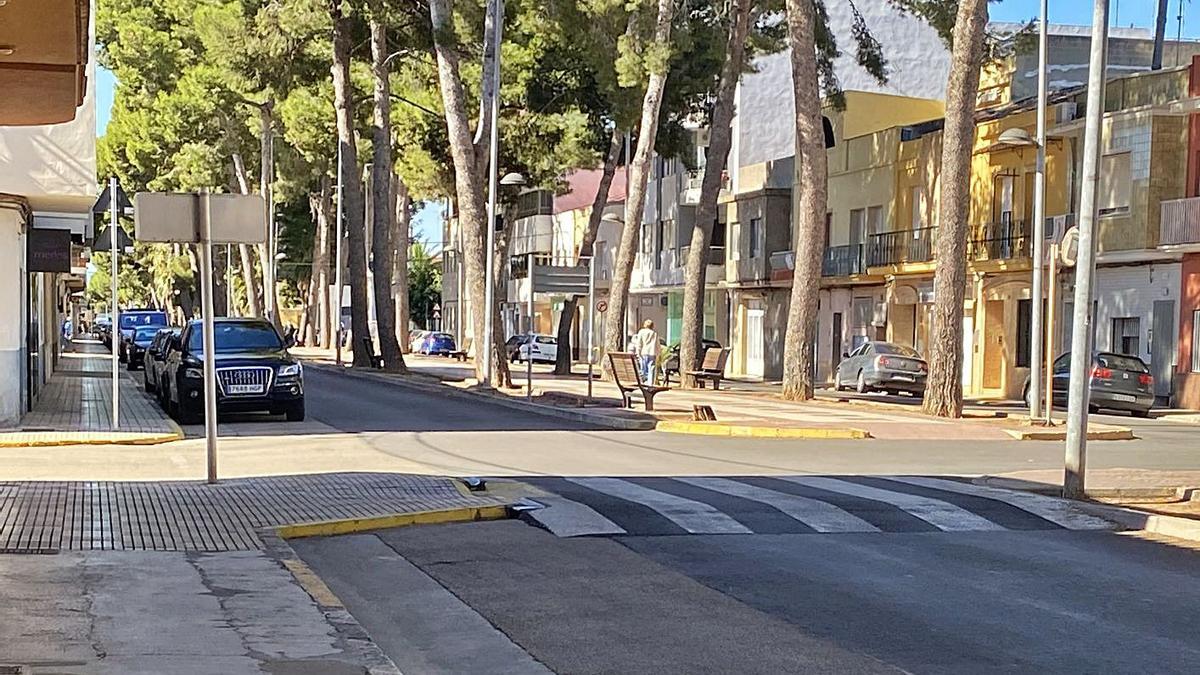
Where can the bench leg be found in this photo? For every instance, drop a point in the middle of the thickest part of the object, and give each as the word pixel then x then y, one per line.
pixel 716 384
pixel 649 398
pixel 626 402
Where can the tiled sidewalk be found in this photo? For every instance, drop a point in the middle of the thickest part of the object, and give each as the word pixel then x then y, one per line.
pixel 76 405
pixel 194 516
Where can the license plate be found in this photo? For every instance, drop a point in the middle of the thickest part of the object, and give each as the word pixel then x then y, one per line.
pixel 1125 398
pixel 245 389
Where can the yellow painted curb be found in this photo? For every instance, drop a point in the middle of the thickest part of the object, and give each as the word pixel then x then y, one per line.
pixel 64 438
pixel 1112 434
pixel 350 525
pixel 751 431
pixel 311 583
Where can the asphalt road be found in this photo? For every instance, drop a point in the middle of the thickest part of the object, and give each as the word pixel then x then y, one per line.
pixel 523 600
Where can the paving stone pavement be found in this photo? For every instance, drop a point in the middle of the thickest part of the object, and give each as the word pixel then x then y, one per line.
pixel 194 516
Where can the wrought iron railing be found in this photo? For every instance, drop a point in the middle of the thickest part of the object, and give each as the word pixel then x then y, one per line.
pixel 1005 240
pixel 1180 222
pixel 842 261
pixel 901 246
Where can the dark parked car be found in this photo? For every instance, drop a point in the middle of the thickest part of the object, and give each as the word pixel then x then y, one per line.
pixel 513 345
pixel 131 320
pixel 1118 382
pixel 255 372
pixel 156 358
pixel 138 343
pixel 882 366
pixel 671 365
pixel 438 343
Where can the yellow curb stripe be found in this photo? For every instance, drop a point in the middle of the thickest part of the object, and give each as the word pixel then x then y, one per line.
pixel 752 431
pixel 350 525
pixel 1118 434
pixel 52 439
pixel 311 583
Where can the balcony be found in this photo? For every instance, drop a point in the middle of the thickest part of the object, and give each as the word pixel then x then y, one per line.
pixel 1000 241
pixel 716 255
pixel 1179 224
pixel 692 183
pixel 843 261
pixel 900 247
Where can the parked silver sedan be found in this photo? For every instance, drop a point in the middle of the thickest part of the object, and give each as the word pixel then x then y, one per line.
pixel 882 366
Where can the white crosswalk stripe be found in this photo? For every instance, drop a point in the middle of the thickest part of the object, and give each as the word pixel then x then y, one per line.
pixel 567 518
pixel 819 515
pixel 940 514
pixel 695 517
pixel 1058 511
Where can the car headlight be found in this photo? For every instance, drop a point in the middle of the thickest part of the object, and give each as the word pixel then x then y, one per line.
pixel 291 369
pixel 193 373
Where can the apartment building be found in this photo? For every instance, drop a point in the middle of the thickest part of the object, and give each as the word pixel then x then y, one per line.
pixel 47 185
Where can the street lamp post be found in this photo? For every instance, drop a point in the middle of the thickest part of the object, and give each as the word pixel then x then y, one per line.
pixel 1039 232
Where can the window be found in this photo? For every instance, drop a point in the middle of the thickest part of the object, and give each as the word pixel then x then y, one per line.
pixel 601 261
pixel 918 207
pixel 858 226
pixel 1125 334
pixel 660 240
pixel 735 234
pixel 874 220
pixel 1196 340
pixel 828 229
pixel 1024 332
pixel 1115 184
pixel 756 238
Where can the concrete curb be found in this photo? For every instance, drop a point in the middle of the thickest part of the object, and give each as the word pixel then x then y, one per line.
pixel 751 431
pixel 1168 526
pixel 1109 434
pixel 623 424
pixel 50 439
pixel 465 514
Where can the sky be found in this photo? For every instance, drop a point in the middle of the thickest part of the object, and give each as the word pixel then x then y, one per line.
pixel 1138 13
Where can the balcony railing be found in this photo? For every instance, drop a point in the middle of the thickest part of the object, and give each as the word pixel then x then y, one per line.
pixel 901 246
pixel 716 255
pixel 1000 241
pixel 843 261
pixel 1179 222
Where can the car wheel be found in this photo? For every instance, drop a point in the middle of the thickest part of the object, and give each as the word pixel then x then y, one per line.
pixel 295 411
pixel 861 385
pixel 1093 409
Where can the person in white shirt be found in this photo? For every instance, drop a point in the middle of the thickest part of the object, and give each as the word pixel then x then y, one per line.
pixel 645 345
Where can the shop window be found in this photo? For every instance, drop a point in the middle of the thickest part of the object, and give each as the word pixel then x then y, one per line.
pixel 1126 332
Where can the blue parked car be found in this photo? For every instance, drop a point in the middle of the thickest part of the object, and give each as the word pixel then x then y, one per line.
pixel 438 343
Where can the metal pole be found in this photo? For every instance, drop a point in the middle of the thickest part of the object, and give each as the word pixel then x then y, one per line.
pixel 1039 231
pixel 591 318
pixel 1051 310
pixel 337 275
pixel 493 185
pixel 1082 328
pixel 115 326
pixel 210 362
pixel 532 339
pixel 229 280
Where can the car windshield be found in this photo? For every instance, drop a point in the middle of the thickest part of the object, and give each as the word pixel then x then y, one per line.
pixel 1118 362
pixel 143 319
pixel 898 350
pixel 238 337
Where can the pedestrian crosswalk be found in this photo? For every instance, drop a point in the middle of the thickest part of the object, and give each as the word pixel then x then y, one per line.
pixel 590 506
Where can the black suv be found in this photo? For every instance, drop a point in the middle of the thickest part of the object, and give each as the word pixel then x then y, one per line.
pixel 255 372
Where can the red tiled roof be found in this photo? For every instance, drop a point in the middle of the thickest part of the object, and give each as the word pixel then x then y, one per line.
pixel 583 186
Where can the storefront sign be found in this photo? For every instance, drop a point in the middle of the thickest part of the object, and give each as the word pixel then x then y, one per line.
pixel 48 250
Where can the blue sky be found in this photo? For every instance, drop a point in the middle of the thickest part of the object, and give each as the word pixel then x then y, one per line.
pixel 1138 13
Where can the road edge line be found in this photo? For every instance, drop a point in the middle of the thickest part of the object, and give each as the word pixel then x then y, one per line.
pixel 752 431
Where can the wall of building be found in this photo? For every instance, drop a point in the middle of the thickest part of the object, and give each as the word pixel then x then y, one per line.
pixel 1187 377
pixel 12 299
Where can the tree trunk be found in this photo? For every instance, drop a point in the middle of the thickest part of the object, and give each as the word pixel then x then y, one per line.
pixel 382 247
pixel 319 205
pixel 356 259
pixel 401 232
pixel 253 307
pixel 562 362
pixel 614 322
pixel 716 157
pixel 813 186
pixel 469 167
pixel 266 252
pixel 943 386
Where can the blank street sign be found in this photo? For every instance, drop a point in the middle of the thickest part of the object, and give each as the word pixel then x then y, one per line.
pixel 172 217
pixel 560 280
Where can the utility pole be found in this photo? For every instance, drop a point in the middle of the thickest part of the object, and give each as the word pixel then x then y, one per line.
pixel 1039 230
pixel 115 326
pixel 1082 332
pixel 337 275
pixel 493 186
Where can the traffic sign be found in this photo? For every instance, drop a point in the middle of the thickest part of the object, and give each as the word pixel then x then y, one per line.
pixel 602 306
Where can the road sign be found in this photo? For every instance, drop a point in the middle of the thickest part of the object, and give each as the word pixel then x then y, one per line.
pixel 1068 250
pixel 103 241
pixel 602 306
pixel 173 217
pixel 560 279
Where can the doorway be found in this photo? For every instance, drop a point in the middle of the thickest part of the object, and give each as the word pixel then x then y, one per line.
pixel 755 366
pixel 993 349
pixel 835 343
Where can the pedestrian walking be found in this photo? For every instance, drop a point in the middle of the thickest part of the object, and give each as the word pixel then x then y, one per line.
pixel 646 347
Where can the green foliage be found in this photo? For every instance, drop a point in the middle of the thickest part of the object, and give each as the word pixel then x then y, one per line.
pixel 424 283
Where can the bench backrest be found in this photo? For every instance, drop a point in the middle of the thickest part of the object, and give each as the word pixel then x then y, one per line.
pixel 712 357
pixel 625 370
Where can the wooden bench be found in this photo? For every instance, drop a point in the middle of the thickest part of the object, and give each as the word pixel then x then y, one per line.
pixel 712 369
pixel 369 349
pixel 461 354
pixel 628 377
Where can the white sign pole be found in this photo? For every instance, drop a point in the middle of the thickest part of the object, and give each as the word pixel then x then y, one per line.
pixel 337 275
pixel 532 336
pixel 591 319
pixel 115 326
pixel 203 223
